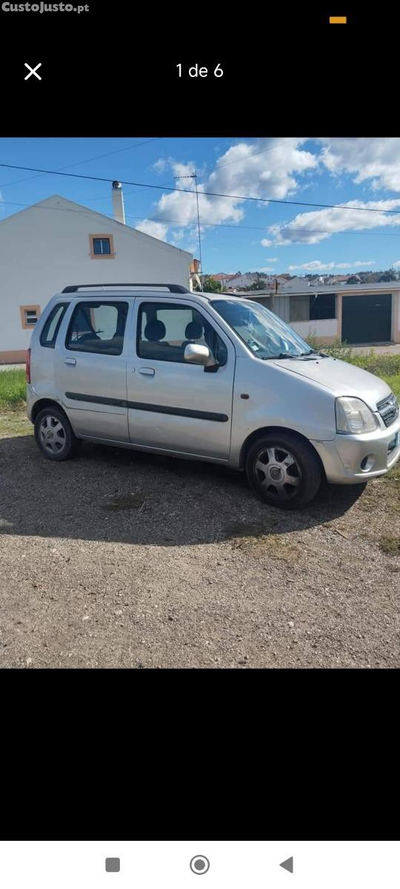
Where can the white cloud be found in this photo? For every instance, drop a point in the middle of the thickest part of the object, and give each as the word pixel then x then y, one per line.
pixel 160 165
pixel 310 228
pixel 317 266
pixel 268 168
pixel 396 265
pixel 180 169
pixel 376 161
pixel 266 243
pixel 314 266
pixel 178 235
pixel 265 269
pixel 155 229
pixel 354 265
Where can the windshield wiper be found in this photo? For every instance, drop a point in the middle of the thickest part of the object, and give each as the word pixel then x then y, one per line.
pixel 301 355
pixel 316 352
pixel 281 355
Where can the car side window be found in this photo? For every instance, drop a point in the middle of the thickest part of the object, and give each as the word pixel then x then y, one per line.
pixel 97 327
pixel 164 330
pixel 50 330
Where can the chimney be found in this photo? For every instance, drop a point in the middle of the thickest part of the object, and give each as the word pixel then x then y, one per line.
pixel 118 202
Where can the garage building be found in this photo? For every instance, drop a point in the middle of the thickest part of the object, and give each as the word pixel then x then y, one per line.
pixel 359 314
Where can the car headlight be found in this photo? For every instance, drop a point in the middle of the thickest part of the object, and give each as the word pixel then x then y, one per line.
pixel 354 416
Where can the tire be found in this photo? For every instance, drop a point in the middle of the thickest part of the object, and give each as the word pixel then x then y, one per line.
pixel 54 435
pixel 283 470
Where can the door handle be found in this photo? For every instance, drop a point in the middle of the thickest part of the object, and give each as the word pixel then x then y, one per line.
pixel 147 371
pixel 70 361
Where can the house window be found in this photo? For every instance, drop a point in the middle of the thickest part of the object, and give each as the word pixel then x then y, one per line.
pixel 300 308
pixel 101 247
pixel 29 316
pixel 313 307
pixel 322 306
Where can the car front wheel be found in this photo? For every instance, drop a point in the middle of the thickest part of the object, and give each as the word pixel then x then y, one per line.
pixel 283 470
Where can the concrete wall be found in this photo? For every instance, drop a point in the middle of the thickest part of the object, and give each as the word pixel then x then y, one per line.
pixel 326 330
pixel 47 247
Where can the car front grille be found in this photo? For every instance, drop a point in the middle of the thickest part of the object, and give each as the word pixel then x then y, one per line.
pixel 388 409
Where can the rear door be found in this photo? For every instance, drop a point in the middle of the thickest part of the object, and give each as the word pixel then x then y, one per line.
pixel 91 367
pixel 173 405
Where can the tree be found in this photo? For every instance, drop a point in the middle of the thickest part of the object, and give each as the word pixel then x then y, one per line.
pixel 387 276
pixel 210 285
pixel 353 280
pixel 258 285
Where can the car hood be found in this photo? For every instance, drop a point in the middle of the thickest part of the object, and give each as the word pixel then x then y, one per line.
pixel 340 377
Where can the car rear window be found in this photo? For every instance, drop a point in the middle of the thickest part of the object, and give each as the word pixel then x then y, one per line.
pixel 98 327
pixel 49 333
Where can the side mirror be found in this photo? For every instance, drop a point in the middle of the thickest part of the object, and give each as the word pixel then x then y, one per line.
pixel 196 354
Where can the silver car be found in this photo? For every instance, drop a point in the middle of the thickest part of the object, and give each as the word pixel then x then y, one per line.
pixel 205 377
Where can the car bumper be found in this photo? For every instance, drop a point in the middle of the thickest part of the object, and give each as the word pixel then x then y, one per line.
pixel 31 397
pixel 352 459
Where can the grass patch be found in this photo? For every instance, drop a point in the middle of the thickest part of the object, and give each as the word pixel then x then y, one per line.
pixel 13 423
pixel 12 388
pixel 390 545
pixel 393 382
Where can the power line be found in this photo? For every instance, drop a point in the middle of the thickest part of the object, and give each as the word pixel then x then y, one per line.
pixel 87 160
pixel 126 230
pixel 186 224
pixel 214 194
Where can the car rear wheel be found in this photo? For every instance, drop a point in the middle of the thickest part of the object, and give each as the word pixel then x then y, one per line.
pixel 283 470
pixel 54 435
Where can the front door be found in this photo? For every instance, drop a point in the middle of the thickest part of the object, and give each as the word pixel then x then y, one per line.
pixel 173 405
pixel 91 369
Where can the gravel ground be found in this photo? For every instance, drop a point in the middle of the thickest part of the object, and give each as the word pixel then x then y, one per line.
pixel 124 559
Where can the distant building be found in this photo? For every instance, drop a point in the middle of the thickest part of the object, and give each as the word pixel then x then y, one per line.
pixel 336 279
pixel 240 281
pixel 360 314
pixel 223 278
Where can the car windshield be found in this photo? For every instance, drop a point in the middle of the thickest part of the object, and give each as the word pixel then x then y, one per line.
pixel 262 331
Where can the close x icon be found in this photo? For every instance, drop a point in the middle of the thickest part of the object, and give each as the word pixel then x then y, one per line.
pixel 33 71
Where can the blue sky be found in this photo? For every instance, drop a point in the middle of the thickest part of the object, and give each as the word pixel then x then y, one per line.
pixel 236 233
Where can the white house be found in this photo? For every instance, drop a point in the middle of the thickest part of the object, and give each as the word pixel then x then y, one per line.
pixel 58 242
pixel 239 281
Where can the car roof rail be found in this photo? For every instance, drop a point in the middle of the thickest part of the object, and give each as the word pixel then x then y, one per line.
pixel 173 288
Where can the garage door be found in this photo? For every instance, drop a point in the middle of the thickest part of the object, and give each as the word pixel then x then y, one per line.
pixel 367 319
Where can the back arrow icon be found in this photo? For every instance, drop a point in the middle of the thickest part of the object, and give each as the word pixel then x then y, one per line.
pixel 287 865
